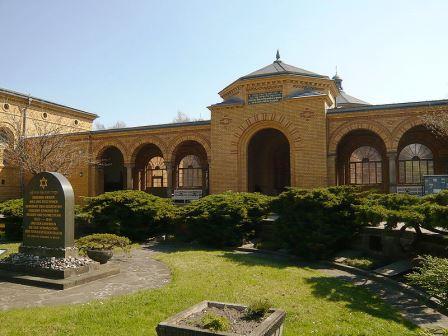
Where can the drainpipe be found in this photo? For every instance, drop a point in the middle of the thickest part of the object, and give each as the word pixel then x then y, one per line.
pixel 23 137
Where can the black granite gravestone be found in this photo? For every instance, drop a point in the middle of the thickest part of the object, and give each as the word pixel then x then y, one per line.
pixel 48 256
pixel 48 216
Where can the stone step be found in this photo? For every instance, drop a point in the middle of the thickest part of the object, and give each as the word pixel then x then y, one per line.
pixel 394 269
pixel 61 284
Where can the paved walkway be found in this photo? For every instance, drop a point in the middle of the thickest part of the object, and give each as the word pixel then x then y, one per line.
pixel 410 307
pixel 138 271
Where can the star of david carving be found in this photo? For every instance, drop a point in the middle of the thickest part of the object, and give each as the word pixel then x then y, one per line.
pixel 43 183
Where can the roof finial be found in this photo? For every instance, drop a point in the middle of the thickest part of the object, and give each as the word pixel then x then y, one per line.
pixel 338 80
pixel 277 56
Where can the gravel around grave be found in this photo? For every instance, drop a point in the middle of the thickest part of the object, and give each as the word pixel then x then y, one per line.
pixel 239 324
pixel 53 263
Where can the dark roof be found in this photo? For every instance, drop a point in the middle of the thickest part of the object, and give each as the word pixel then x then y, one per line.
pixel 280 68
pixel 231 101
pixel 25 96
pixel 345 99
pixel 426 103
pixel 148 127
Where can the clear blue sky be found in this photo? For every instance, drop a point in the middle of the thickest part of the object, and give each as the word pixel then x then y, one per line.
pixel 141 61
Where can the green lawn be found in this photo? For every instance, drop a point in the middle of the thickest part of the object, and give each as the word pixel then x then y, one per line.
pixel 315 304
pixel 10 247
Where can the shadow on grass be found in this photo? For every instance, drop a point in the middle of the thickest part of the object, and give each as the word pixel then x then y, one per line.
pixel 355 299
pixel 176 246
pixel 270 260
pixel 333 289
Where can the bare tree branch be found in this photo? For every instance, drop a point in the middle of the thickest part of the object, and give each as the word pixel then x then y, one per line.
pixel 51 148
pixel 437 122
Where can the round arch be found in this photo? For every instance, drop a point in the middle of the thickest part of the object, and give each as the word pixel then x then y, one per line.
pixel 268 162
pixel 402 128
pixel 190 163
pixel 146 172
pixel 99 149
pixel 361 159
pixel 144 141
pixel 380 130
pixel 243 149
pixel 112 173
pixel 176 142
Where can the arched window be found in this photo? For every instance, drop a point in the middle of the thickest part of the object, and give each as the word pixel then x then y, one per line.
pixel 366 166
pixel 189 172
pixel 3 139
pixel 156 176
pixel 4 143
pixel 414 161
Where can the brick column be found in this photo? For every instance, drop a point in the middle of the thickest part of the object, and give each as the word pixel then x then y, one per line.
pixel 129 178
pixel 331 169
pixel 169 175
pixel 392 157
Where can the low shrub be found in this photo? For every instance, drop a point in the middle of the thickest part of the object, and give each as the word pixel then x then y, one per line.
pixel 430 212
pixel 12 210
pixel 315 223
pixel 223 219
pixel 258 309
pixel 432 276
pixel 215 322
pixel 131 213
pixel 103 241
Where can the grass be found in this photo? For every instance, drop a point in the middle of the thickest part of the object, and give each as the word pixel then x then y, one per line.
pixel 10 247
pixel 365 263
pixel 315 304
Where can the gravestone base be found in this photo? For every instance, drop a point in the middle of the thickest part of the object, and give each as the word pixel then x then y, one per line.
pixel 43 251
pixel 30 278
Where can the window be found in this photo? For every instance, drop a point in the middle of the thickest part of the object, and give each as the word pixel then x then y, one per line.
pixel 189 172
pixel 156 176
pixel 414 161
pixel 3 139
pixel 365 166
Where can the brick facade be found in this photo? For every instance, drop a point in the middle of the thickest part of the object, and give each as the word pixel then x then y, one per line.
pixel 301 106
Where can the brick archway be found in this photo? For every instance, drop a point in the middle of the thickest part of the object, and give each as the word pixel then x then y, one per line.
pixel 402 128
pixel 348 127
pixel 101 146
pixel 170 153
pixel 252 126
pixel 143 141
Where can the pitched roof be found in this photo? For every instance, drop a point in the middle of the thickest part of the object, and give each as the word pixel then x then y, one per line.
pixel 345 99
pixel 426 103
pixel 25 96
pixel 280 68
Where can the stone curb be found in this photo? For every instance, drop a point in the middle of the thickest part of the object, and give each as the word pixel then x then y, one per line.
pixel 419 295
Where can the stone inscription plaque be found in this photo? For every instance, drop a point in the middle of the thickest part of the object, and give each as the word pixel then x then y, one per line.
pixel 264 97
pixel 48 219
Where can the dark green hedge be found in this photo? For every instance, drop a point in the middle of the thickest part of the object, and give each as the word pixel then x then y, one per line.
pixel 12 210
pixel 430 212
pixel 315 223
pixel 134 214
pixel 225 219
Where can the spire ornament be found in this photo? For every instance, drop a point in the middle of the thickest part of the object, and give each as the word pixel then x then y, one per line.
pixel 277 56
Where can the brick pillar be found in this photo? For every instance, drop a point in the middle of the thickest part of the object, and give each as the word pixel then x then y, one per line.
pixel 129 178
pixel 331 169
pixel 392 157
pixel 169 178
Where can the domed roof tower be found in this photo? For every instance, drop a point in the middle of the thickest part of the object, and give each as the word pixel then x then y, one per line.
pixel 344 100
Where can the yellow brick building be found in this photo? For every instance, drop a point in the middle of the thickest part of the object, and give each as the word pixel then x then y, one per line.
pixel 278 126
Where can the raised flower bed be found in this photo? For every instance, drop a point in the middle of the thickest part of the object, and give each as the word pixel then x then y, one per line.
pixel 231 317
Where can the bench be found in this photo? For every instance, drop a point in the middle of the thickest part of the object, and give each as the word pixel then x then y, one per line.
pixel 186 195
